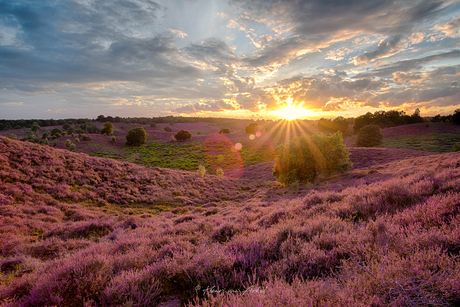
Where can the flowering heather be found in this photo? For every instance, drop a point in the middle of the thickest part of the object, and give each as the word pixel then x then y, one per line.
pixel 84 231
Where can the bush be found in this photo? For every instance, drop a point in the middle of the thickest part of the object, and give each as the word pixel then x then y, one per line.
pixel 68 143
pixel 55 131
pixel 45 135
pixel 369 136
pixel 220 172
pixel 183 135
pixel 12 136
pixel 153 125
pixel 70 130
pixel 136 136
pixel 85 137
pixel 201 170
pixel 72 147
pixel 79 131
pixel 168 129
pixel 456 147
pixel 114 139
pixel 65 126
pixel 35 128
pixel 107 128
pixel 225 131
pixel 304 158
pixel 252 128
pixel 90 128
pixel 77 140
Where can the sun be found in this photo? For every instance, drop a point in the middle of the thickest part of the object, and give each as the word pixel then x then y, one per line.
pixel 292 112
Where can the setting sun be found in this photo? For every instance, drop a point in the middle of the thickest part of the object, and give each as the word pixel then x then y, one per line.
pixel 292 112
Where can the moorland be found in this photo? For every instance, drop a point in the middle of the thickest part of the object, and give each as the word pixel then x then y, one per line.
pixel 106 224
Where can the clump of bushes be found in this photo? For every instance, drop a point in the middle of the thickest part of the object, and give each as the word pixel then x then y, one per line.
pixel 225 131
pixel 369 136
pixel 456 147
pixel 91 128
pixel 252 128
pixel 305 158
pixel 136 136
pixel 107 128
pixel 12 136
pixel 168 129
pixel 85 137
pixel 183 135
pixel 201 170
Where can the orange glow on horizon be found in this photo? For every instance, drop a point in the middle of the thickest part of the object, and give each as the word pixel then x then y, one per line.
pixel 292 112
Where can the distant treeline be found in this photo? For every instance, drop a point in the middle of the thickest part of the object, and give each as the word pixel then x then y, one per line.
pixel 168 120
pixel 10 124
pixel 386 119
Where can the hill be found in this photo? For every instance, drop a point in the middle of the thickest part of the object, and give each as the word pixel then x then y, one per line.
pixel 86 231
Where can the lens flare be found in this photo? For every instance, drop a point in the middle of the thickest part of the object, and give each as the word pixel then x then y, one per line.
pixel 220 152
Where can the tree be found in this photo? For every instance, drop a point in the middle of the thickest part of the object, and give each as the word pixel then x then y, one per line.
pixel 456 117
pixel 369 136
pixel 107 128
pixel 168 129
pixel 252 128
pixel 305 158
pixel 136 136
pixel 183 135
pixel 225 131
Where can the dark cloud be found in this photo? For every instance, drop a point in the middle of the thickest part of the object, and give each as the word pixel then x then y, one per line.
pixel 386 47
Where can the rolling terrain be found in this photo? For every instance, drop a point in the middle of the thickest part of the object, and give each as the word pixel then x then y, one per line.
pixel 78 230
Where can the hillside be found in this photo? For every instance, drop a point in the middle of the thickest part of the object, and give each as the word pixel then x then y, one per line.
pixel 86 231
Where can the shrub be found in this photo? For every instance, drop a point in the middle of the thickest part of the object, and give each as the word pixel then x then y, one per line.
pixel 55 131
pixel 153 125
pixel 136 136
pixel 79 131
pixel 90 128
pixel 225 131
pixel 65 126
pixel 77 140
pixel 168 129
pixel 456 147
pixel 35 128
pixel 31 135
pixel 220 172
pixel 45 135
pixel 252 128
pixel 70 130
pixel 85 137
pixel 183 135
pixel 12 136
pixel 73 147
pixel 107 128
pixel 304 158
pixel 68 143
pixel 201 170
pixel 114 139
pixel 172 139
pixel 369 136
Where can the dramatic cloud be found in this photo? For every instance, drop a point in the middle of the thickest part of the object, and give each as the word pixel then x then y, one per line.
pixel 208 57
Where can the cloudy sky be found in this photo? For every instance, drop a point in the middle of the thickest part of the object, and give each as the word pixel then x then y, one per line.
pixel 227 58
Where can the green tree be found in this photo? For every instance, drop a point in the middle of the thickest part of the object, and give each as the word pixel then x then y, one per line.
pixel 305 158
pixel 136 136
pixel 183 135
pixel 107 128
pixel 369 136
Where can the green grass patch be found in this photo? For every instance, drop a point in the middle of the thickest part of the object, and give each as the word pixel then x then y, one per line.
pixel 438 142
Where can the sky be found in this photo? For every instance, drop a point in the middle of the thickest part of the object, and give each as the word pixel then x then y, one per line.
pixel 227 58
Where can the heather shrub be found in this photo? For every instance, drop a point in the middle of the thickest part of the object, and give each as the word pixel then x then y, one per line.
pixel 107 128
pixel 132 288
pixel 304 158
pixel 225 131
pixel 12 136
pixel 168 129
pixel 456 147
pixel 369 136
pixel 183 135
pixel 136 136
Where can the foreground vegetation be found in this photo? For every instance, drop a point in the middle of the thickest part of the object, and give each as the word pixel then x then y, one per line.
pixel 84 231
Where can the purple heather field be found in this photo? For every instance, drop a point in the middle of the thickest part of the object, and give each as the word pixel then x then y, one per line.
pixel 77 230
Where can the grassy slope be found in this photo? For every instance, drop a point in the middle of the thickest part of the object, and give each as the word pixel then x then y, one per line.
pixel 80 230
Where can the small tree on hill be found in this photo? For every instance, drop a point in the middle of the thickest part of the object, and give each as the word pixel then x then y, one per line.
pixel 369 136
pixel 107 128
pixel 183 135
pixel 305 158
pixel 136 136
